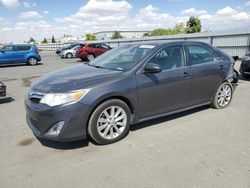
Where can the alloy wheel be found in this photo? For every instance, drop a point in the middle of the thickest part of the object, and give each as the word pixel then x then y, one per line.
pixel 90 57
pixel 32 61
pixel 112 122
pixel 224 95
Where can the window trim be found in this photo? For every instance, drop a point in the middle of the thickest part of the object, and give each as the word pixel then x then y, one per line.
pixel 202 45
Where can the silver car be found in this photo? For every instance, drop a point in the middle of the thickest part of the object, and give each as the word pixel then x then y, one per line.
pixel 69 53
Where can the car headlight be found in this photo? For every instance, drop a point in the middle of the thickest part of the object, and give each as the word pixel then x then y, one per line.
pixel 55 99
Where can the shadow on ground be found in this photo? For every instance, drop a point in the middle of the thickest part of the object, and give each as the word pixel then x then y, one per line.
pixel 152 122
pixel 6 100
pixel 64 145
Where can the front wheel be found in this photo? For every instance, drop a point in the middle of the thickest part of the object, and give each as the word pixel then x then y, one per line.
pixel 69 55
pixel 90 57
pixel 109 122
pixel 32 61
pixel 223 96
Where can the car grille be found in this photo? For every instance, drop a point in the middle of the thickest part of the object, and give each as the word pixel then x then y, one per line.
pixel 35 97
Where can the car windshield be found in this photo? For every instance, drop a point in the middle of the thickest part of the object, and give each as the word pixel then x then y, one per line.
pixel 122 58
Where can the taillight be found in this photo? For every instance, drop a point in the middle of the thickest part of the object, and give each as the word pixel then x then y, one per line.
pixel 37 50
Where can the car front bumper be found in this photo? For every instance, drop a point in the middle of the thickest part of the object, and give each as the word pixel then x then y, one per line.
pixel 41 118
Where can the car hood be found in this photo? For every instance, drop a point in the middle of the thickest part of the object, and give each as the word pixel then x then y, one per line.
pixel 74 78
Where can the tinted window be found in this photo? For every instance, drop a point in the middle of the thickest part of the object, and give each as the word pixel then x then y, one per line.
pixel 23 48
pixel 199 54
pixel 169 58
pixel 7 48
pixel 92 45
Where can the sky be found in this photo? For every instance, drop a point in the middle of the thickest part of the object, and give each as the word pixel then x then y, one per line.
pixel 22 19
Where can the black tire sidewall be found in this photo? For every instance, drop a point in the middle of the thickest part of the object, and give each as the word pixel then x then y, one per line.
pixel 92 125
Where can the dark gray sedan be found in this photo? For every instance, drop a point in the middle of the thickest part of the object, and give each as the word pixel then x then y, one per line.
pixel 129 84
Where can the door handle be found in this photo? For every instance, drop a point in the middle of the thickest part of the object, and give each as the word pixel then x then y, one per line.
pixel 186 75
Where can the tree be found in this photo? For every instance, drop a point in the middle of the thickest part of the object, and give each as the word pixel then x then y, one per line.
pixel 193 25
pixel 116 35
pixel 177 29
pixel 53 39
pixel 31 40
pixel 44 41
pixel 90 37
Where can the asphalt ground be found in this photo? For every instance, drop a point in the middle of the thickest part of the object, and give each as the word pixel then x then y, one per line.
pixel 198 148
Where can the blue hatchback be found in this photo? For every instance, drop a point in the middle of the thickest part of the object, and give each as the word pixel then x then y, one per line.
pixel 20 53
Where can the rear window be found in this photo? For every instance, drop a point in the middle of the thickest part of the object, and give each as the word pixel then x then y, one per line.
pixel 23 48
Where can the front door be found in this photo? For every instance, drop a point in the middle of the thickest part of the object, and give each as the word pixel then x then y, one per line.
pixel 168 90
pixel 7 54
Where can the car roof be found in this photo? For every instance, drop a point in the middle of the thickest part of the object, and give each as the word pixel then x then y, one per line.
pixel 21 45
pixel 161 43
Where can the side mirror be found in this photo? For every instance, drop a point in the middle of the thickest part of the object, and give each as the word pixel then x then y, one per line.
pixel 152 68
pixel 2 51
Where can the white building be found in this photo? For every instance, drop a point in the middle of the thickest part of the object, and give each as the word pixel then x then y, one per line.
pixel 107 35
pixel 70 38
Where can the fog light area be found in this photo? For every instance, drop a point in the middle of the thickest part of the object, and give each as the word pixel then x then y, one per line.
pixel 56 129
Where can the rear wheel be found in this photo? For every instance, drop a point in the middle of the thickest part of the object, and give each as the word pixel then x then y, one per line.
pixel 109 122
pixel 32 61
pixel 90 57
pixel 69 55
pixel 223 96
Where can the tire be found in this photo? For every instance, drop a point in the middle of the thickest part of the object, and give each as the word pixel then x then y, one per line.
pixel 32 61
pixel 90 57
pixel 69 55
pixel 104 129
pixel 223 96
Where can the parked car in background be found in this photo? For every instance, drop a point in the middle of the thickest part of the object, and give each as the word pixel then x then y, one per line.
pixel 58 51
pixel 91 51
pixel 70 53
pixel 20 53
pixel 127 85
pixel 245 66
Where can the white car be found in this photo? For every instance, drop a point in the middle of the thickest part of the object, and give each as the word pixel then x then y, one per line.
pixel 69 53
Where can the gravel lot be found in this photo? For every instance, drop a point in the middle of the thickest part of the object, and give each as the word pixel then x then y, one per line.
pixel 199 148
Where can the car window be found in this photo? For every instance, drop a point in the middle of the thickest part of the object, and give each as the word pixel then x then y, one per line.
pixel 199 54
pixel 7 48
pixel 23 48
pixel 122 58
pixel 104 46
pixel 92 45
pixel 168 58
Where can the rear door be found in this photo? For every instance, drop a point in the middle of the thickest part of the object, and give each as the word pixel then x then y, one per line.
pixel 20 52
pixel 207 72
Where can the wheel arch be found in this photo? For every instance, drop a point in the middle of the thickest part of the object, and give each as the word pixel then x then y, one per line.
pixel 119 97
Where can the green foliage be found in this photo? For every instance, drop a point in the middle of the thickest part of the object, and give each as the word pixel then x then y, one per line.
pixel 90 37
pixel 177 29
pixel 44 41
pixel 53 39
pixel 193 25
pixel 116 35
pixel 31 40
